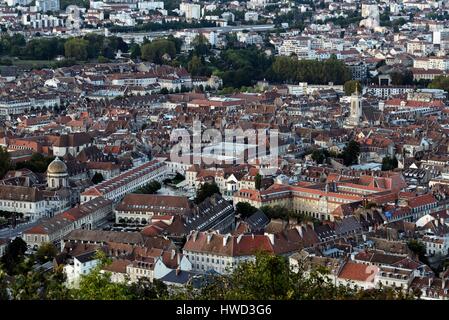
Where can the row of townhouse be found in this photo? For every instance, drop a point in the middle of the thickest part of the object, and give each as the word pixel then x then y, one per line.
pixel 12 106
pixel 85 216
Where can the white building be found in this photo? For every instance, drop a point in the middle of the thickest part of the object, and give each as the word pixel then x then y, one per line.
pixel 251 16
pixel 28 201
pixel 78 266
pixel 223 252
pixel 190 10
pixel 47 5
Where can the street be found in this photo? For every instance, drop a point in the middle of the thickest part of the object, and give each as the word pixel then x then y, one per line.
pixel 13 233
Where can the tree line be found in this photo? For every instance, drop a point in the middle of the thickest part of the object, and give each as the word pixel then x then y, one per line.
pixel 90 46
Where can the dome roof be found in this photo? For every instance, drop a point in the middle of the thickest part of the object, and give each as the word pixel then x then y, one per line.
pixel 57 167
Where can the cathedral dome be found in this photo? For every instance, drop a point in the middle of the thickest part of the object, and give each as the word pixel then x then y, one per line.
pixel 57 167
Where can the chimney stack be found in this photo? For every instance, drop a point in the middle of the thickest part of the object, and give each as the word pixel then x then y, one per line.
pixel 271 237
pixel 178 271
pixel 225 239
pixel 209 237
pixel 299 228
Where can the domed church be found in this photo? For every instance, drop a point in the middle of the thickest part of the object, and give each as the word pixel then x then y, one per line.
pixel 57 175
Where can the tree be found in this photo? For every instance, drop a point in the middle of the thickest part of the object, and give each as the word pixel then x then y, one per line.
pixel 97 285
pixel 46 252
pixel 351 86
pixel 5 161
pixel 14 255
pixel 276 212
pixel 144 289
pixel 440 82
pixel 201 45
pixel 402 78
pixel 258 181
pixel 389 163
pixel 205 191
pixel 37 163
pixel 3 286
pixel 150 188
pixel 155 50
pixel 76 48
pixel 245 209
pixel 351 153
pixel 97 178
pixel 194 66
pixel 37 285
pixel 319 156
pixel 418 248
pixel 135 51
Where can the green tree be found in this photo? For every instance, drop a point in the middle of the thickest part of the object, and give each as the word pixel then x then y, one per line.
pixel 80 3
pixel 418 248
pixel 440 82
pixel 155 50
pixel 245 209
pixel 97 178
pixel 37 163
pixel 46 252
pixel 14 255
pixel 195 66
pixel 351 86
pixel 5 161
pixel 276 212
pixel 144 289
pixel 164 91
pixel 205 191
pixel 97 285
pixel 201 45
pixel 258 181
pixel 37 285
pixel 320 155
pixel 351 153
pixel 389 163
pixel 135 51
pixel 76 48
pixel 3 286
pixel 402 78
pixel 150 188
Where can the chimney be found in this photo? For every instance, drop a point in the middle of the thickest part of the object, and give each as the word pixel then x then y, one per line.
pixel 225 239
pixel 178 259
pixel 209 237
pixel 178 271
pixel 271 237
pixel 442 221
pixel 299 228
pixel 173 253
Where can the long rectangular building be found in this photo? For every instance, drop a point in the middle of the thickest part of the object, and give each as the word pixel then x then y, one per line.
pixel 323 201
pixel 116 188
